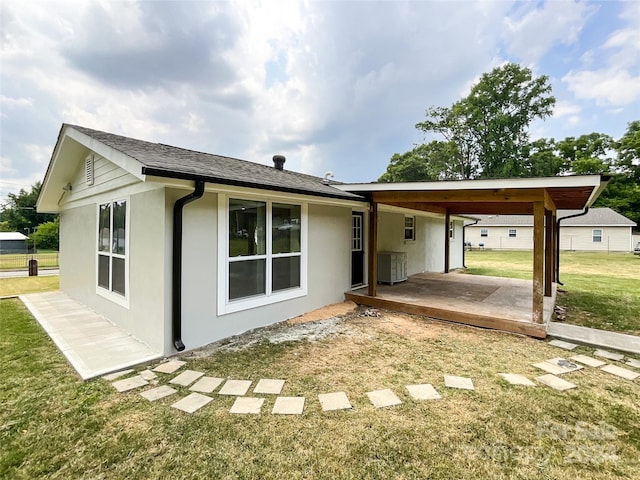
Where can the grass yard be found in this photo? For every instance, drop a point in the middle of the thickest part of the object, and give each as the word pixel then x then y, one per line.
pixel 52 425
pixel 46 259
pixel 602 289
pixel 20 285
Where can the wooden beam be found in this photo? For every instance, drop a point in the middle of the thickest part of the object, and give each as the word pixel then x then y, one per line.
pixel 549 204
pixel 500 195
pixel 372 252
pixel 549 257
pixel 447 242
pixel 424 207
pixel 538 262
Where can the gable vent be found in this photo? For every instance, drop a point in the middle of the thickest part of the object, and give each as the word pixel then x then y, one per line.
pixel 88 169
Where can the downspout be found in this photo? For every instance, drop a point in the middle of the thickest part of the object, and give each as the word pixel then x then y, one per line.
pixel 464 247
pixel 176 288
pixel 586 210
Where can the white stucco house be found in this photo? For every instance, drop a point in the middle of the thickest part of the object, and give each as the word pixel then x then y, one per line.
pixel 599 229
pixel 183 248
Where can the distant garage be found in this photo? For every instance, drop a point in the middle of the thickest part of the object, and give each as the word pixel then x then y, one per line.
pixel 12 242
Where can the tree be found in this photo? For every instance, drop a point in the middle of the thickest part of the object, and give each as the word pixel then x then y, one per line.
pixel 426 162
pixel 587 154
pixel 46 235
pixel 20 211
pixel 628 148
pixel 542 159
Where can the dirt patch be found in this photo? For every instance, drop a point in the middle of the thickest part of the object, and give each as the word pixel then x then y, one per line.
pixel 330 311
pixel 411 327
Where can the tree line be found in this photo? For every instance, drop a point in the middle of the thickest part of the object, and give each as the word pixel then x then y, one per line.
pixel 486 135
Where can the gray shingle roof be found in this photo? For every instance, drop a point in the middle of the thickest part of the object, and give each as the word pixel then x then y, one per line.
pixel 595 216
pixel 174 162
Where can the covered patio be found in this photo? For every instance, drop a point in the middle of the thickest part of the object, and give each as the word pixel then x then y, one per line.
pixel 502 304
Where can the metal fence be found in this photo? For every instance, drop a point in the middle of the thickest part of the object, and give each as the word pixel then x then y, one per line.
pixel 20 261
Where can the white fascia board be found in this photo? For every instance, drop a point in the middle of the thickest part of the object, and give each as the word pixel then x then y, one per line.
pixel 487 184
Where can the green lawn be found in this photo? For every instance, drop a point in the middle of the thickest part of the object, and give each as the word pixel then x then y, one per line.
pixel 601 290
pixel 16 261
pixel 53 425
pixel 20 285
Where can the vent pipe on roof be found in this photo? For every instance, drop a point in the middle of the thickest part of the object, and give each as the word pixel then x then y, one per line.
pixel 278 162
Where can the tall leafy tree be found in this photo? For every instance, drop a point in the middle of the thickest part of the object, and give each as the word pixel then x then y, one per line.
pixel 427 162
pixel 19 211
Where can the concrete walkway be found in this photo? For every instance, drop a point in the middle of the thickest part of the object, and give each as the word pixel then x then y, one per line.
pixel 92 344
pixel 591 336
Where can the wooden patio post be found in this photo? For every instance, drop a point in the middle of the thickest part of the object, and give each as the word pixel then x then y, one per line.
pixel 538 261
pixel 372 252
pixel 447 246
pixel 549 257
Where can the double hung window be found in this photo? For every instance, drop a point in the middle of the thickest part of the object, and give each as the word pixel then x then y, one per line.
pixel 112 247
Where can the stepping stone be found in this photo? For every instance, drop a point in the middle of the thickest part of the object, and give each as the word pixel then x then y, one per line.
pixel 621 372
pixel 192 402
pixel 555 382
pixel 383 398
pixel 186 378
pixel 609 355
pixel 235 387
pixel 423 392
pixel 334 401
pixel 114 375
pixel 563 344
pixel 169 367
pixel 129 383
pixel 557 366
pixel 246 405
pixel 158 393
pixel 463 383
pixel 633 362
pixel 589 361
pixel 288 406
pixel 269 386
pixel 148 374
pixel 206 384
pixel 517 379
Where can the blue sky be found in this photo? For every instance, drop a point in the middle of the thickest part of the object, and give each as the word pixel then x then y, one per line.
pixel 333 86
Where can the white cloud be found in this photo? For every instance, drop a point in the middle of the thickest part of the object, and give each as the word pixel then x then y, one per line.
pixel 564 108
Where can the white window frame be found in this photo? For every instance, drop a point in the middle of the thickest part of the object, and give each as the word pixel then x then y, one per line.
pixel 484 232
pixel 594 236
pixel 411 228
pixel 357 232
pixel 452 230
pixel 122 300
pixel 513 233
pixel 226 306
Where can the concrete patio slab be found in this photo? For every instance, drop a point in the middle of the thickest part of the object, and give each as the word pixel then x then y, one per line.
pixel 247 405
pixel 588 361
pixel 206 384
pixel 517 379
pixel 269 386
pixel 288 406
pixel 424 391
pixel 598 338
pixel 115 375
pixel 621 372
pixel 235 387
pixel 609 355
pixel 127 384
pixel 334 401
pixel 555 382
pixel 632 362
pixel 158 393
pixel 463 383
pixel 186 378
pixel 148 375
pixel 383 398
pixel 92 344
pixel 563 344
pixel 170 366
pixel 192 403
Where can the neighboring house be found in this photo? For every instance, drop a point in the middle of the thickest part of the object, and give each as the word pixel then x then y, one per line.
pixel 13 242
pixel 183 248
pixel 601 229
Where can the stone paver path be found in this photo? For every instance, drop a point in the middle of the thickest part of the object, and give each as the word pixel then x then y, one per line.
pixel 186 378
pixel 383 398
pixel 334 401
pixel 423 392
pixel 148 375
pixel 192 403
pixel 463 383
pixel 169 367
pixel 247 405
pixel 235 387
pixel 288 406
pixel 563 344
pixel 556 383
pixel 620 372
pixel 557 366
pixel 129 383
pixel 609 355
pixel 269 386
pixel 587 360
pixel 632 362
pixel 206 384
pixel 517 379
pixel 158 393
